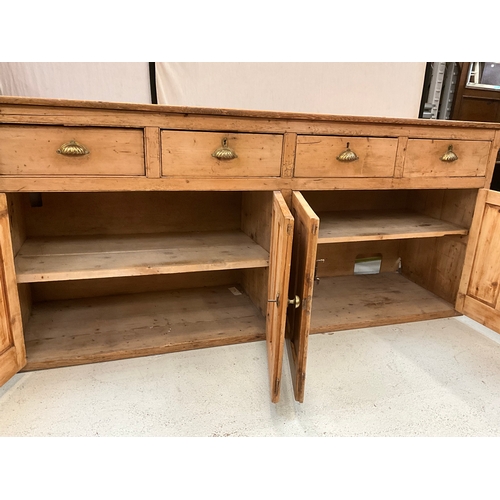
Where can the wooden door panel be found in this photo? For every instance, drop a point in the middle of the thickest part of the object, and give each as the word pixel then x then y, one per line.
pixel 12 351
pixel 279 275
pixel 305 244
pixel 479 294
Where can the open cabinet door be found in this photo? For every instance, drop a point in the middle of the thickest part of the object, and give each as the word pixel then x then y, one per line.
pixel 279 278
pixel 305 243
pixel 478 295
pixel 12 351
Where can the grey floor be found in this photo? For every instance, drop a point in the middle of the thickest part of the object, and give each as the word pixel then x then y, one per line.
pixel 432 378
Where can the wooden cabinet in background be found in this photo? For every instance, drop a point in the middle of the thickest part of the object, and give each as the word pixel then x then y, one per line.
pixel 473 103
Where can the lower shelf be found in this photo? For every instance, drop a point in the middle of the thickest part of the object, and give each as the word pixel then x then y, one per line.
pixel 80 331
pixel 361 301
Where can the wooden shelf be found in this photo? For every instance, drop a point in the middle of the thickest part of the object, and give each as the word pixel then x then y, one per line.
pixel 362 301
pixel 84 257
pixel 370 225
pixel 80 331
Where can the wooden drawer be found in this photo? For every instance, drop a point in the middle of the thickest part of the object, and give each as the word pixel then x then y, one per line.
pixel 423 158
pixel 317 156
pixel 189 154
pixel 34 151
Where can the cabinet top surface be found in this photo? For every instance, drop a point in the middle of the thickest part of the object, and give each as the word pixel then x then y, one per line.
pixel 245 113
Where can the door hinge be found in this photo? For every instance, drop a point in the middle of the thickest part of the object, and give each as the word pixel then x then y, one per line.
pixel 316 279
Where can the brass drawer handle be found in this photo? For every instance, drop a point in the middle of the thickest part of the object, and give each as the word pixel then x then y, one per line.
pixel 224 152
pixel 348 155
pixel 449 156
pixel 72 148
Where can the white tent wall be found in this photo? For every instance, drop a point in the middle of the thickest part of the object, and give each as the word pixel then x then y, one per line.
pixel 372 89
pixel 93 81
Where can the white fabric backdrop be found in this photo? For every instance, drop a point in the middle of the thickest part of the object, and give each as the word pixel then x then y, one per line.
pixel 372 89
pixel 115 82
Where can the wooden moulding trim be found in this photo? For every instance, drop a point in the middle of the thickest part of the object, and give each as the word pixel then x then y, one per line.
pixel 482 313
pixel 155 108
pixel 340 127
pixel 493 198
pixel 94 184
pixel 152 152
pixel 141 183
pixel 400 157
pixel 288 155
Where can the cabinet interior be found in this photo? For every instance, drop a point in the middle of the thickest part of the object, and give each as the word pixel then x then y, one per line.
pixel 417 241
pixel 105 276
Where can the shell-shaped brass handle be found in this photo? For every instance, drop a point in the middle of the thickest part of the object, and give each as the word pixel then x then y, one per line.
pixel 224 152
pixel 72 148
pixel 348 155
pixel 449 156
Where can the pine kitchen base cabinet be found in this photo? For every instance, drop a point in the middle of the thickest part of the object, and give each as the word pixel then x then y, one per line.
pixel 131 230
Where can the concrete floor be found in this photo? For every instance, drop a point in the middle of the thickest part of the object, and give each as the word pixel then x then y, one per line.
pixel 432 378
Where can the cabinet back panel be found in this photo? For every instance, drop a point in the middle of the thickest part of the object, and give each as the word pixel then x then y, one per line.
pixel 326 201
pixel 341 257
pixel 77 289
pixel 451 205
pixel 65 214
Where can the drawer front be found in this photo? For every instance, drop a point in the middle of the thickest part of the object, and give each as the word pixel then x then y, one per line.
pixel 423 158
pixel 34 151
pixel 318 156
pixel 190 154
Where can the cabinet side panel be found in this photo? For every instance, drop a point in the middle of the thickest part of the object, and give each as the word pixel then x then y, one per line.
pixel 450 205
pixel 256 208
pixel 435 264
pixel 254 282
